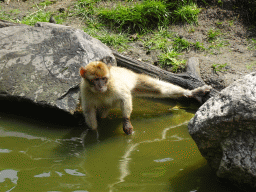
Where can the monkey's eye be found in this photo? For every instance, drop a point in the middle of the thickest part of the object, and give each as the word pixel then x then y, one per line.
pixel 105 79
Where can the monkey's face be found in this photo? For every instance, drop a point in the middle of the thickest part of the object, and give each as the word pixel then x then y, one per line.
pixel 98 85
pixel 97 75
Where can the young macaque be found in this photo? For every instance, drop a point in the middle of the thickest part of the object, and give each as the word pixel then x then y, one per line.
pixel 104 87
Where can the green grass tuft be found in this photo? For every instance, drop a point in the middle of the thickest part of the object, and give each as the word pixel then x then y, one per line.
pixel 252 44
pixel 145 15
pixel 181 44
pixel 159 40
pixel 212 35
pixel 187 13
pixel 171 59
pixel 137 16
pixel 40 16
pixel 45 3
pixel 85 8
pixel 199 46
pixel 219 67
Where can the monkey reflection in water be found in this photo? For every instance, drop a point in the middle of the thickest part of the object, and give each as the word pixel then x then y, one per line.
pixel 104 87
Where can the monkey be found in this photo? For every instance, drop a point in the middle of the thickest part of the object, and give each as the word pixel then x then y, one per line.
pixel 104 87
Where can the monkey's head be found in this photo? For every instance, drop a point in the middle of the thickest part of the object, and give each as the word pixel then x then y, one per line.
pixel 97 75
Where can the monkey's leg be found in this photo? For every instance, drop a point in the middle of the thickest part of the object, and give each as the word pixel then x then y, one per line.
pixel 104 112
pixel 90 117
pixel 171 91
pixel 174 91
pixel 151 87
pixel 200 91
pixel 126 107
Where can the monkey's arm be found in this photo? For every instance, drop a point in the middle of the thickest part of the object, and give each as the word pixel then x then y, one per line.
pixel 126 107
pixel 90 116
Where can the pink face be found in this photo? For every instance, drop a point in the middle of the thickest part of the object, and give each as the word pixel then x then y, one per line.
pixel 98 85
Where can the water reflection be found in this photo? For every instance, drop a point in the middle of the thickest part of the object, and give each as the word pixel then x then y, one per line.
pixel 43 175
pixel 74 172
pixel 5 151
pixel 9 179
pixel 163 160
pixel 124 163
pixel 5 133
pixel 9 174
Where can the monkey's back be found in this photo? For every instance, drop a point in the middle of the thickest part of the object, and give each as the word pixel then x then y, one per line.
pixel 125 80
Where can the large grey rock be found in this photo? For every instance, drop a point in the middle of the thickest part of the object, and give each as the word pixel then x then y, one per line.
pixel 224 129
pixel 42 63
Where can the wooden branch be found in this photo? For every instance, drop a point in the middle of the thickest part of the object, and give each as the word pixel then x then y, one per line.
pixel 4 23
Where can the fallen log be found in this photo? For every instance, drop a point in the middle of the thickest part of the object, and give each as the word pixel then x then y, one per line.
pixel 4 23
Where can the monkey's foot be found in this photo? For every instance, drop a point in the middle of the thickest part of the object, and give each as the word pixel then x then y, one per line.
pixel 200 91
pixel 127 126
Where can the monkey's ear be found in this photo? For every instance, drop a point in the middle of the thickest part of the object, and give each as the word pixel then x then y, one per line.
pixel 82 71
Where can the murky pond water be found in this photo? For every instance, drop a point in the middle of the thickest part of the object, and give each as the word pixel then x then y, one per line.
pixel 159 156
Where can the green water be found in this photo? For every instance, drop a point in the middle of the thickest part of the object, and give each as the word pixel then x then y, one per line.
pixel 159 156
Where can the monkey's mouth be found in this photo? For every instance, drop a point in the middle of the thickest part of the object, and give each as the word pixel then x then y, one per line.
pixel 100 90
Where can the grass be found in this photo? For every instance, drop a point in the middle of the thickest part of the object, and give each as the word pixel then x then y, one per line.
pixel 231 23
pixel 117 41
pixel 41 15
pixel 187 13
pixel 85 8
pixel 38 16
pixel 139 17
pixel 7 16
pixel 252 44
pixel 45 3
pixel 171 47
pixel 181 44
pixel 212 35
pixel 251 66
pixel 160 39
pixel 150 19
pixel 199 46
pixel 219 67
pixel 170 58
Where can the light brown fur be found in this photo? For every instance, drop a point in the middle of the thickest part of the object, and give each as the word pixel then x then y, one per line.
pixel 116 87
pixel 96 69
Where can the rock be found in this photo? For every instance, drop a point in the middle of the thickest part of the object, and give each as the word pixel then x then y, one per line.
pixel 52 20
pixel 41 63
pixel 224 129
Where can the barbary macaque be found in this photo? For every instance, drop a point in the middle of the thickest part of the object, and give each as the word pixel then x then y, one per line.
pixel 104 87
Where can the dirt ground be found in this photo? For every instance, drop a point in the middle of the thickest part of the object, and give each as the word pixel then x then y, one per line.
pixel 234 53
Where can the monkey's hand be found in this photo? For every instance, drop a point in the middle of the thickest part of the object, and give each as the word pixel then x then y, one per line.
pixel 127 126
